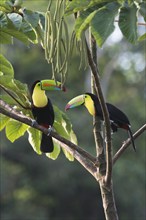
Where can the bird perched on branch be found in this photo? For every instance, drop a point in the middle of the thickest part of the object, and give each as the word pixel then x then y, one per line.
pixel 42 109
pixel 118 119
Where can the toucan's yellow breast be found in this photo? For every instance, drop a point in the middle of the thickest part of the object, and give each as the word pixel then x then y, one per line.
pixel 89 104
pixel 39 98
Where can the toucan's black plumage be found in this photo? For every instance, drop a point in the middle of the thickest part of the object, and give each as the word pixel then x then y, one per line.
pixel 117 117
pixel 44 115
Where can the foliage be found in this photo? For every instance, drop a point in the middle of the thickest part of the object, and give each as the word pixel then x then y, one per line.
pixel 23 24
pixel 20 93
pixel 101 15
pixel 15 129
pixel 29 28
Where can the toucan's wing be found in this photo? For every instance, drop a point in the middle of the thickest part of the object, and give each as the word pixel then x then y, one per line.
pixel 117 116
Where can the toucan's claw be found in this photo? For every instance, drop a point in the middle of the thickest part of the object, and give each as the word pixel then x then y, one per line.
pixel 33 122
pixel 49 130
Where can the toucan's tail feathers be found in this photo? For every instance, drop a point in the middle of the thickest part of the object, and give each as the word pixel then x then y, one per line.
pixel 46 144
pixel 131 138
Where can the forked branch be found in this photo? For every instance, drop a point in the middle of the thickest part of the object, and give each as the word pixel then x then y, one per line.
pixel 86 159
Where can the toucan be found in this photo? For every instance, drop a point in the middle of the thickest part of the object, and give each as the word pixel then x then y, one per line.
pixel 42 109
pixel 118 119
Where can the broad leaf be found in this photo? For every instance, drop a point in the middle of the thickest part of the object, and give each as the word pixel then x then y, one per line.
pixel 27 29
pixel 128 22
pixel 102 28
pixel 34 138
pixel 3 121
pixel 54 155
pixel 31 17
pixel 16 20
pixel 10 31
pixel 5 6
pixel 83 21
pixel 143 37
pixel 3 20
pixel 8 99
pixel 69 156
pixel 17 89
pixel 63 127
pixel 15 129
pixel 18 3
pixel 76 5
pixel 6 67
pixel 143 10
pixel 5 38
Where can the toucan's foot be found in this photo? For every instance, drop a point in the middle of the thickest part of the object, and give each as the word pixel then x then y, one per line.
pixel 33 122
pixel 49 130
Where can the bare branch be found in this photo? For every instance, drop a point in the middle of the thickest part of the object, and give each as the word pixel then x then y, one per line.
pixel 96 121
pixel 127 143
pixel 87 160
pixel 95 72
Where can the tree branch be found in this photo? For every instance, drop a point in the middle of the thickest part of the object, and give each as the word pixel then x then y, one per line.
pixel 100 155
pixel 13 97
pixel 95 72
pixel 127 143
pixel 87 160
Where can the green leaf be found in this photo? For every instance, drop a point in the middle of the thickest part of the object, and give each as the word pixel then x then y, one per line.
pixel 21 86
pixel 82 22
pixel 8 99
pixel 17 89
pixel 42 19
pixel 15 129
pixel 3 121
pixel 40 34
pixel 76 5
pixel 6 6
pixel 54 155
pixel 3 20
pixel 102 28
pixel 128 22
pixel 5 38
pixel 143 37
pixel 34 138
pixel 5 80
pixel 69 156
pixel 6 67
pixel 16 20
pixel 81 5
pixel 143 10
pixel 27 29
pixel 63 127
pixel 12 32
pixel 31 17
pixel 18 3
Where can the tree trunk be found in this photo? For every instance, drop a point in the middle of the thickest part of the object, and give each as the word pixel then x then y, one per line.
pixel 106 189
pixel 108 200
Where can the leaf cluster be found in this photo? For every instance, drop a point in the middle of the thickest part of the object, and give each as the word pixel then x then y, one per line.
pixel 17 96
pixel 28 26
pixel 20 23
pixel 100 17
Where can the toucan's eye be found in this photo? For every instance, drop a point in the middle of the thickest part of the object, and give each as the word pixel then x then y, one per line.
pixel 38 84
